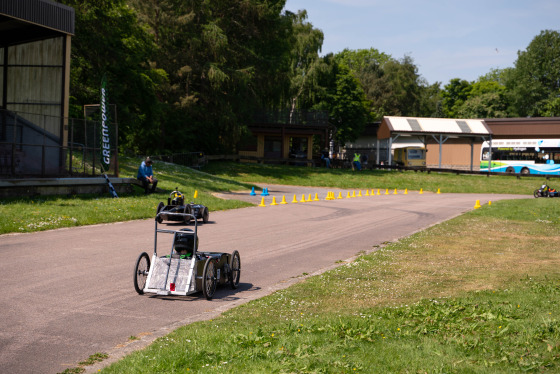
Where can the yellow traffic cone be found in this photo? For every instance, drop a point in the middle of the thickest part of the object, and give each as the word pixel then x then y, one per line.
pixel 353 193
pixel 274 201
pixel 406 191
pixel 340 195
pixel 295 199
pixel 421 192
pixel 348 195
pixel 195 194
pixel 378 192
pixel 316 197
pixel 302 198
pixel 283 200
pixel 262 202
pixel 367 192
pixel 386 191
pixel 477 204
pixel 394 193
pixel 438 190
pixel 359 193
pixel 309 198
pixel 489 202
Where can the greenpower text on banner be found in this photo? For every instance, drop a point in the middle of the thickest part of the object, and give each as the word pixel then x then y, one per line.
pixel 105 137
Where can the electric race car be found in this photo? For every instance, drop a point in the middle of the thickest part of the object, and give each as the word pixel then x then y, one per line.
pixel 186 270
pixel 546 191
pixel 176 204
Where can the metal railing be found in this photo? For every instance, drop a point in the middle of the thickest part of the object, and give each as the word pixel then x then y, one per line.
pixel 33 145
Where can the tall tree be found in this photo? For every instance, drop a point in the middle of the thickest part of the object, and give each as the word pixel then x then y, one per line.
pixel 536 82
pixel 454 94
pixel 109 40
pixel 305 61
pixel 224 59
pixel 341 95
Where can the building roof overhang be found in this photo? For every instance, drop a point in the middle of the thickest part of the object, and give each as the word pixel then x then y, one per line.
pixel 448 127
pixel 24 21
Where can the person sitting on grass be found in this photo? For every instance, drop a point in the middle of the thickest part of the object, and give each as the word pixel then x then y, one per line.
pixel 146 176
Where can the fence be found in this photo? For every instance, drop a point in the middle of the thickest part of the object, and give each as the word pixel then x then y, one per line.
pixel 34 145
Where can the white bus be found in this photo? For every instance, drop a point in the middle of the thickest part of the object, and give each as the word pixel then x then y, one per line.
pixel 525 156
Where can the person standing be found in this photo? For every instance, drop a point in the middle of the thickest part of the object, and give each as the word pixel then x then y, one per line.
pixel 146 176
pixel 356 163
pixel 325 157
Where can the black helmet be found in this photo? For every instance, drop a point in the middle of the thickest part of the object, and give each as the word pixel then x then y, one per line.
pixel 184 241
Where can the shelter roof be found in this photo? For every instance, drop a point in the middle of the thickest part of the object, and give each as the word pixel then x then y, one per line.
pixel 432 126
pixel 23 21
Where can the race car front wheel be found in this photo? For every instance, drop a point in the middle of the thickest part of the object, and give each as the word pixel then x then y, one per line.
pixel 141 270
pixel 205 215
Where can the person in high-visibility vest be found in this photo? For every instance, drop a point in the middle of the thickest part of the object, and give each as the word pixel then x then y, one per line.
pixel 356 163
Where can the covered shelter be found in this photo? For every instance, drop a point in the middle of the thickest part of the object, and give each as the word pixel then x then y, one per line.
pixel 433 131
pixel 35 40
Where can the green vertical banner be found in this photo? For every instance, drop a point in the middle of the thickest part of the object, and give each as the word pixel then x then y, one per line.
pixel 105 134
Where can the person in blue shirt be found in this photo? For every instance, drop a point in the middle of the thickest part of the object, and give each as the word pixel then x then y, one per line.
pixel 146 176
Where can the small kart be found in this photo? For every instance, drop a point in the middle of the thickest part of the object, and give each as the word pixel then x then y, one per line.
pixel 186 270
pixel 176 204
pixel 546 191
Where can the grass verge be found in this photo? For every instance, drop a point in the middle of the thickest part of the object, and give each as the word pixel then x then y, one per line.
pixel 28 214
pixel 477 294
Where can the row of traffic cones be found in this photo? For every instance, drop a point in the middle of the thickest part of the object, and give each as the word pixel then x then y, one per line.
pixel 330 196
pixel 478 206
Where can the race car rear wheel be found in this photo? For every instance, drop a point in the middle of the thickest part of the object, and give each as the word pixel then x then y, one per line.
pixel 141 270
pixel 234 269
pixel 187 218
pixel 205 215
pixel 209 280
pixel 159 209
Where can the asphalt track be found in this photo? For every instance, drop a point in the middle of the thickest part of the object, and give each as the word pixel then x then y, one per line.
pixel 68 293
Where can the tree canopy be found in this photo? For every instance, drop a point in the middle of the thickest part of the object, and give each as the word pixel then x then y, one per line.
pixel 190 75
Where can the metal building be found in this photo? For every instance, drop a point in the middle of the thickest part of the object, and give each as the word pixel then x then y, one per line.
pixel 35 38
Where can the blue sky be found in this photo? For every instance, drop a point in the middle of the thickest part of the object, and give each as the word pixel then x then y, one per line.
pixel 446 38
